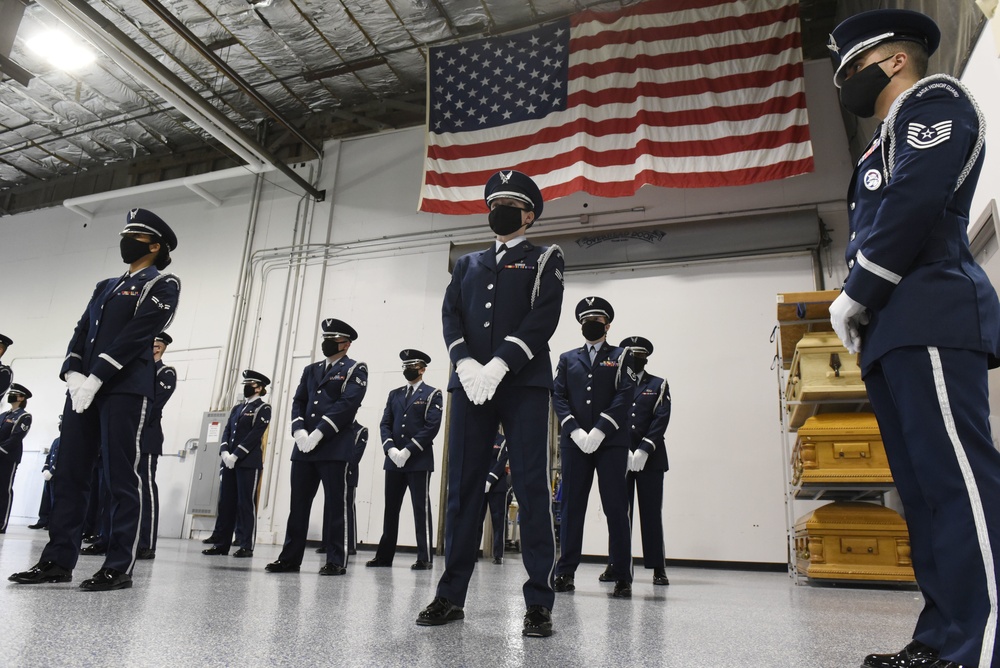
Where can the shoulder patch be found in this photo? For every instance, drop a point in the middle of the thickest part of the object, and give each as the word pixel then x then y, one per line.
pixel 922 136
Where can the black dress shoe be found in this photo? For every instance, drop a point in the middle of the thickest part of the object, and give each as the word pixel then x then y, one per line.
pixel 537 622
pixel 660 577
pixel 280 566
pixel 243 553
pixel 332 569
pixel 377 563
pixel 498 560
pixel 623 589
pixel 914 655
pixel 38 525
pixel 320 550
pixel 90 538
pixel 42 572
pixel 145 553
pixel 944 664
pixel 440 611
pixel 94 550
pixel 107 579
pixel 563 583
pixel 215 549
pixel 211 540
pixel 421 566
pixel 607 575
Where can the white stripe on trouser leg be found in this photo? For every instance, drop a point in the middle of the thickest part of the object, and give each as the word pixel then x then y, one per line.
pixel 138 479
pixel 253 494
pixel 427 514
pixel 10 496
pixel 552 516
pixel 978 514
pixel 343 536
pixel 152 505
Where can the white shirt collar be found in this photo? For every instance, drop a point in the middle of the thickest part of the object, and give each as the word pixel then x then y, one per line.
pixel 510 244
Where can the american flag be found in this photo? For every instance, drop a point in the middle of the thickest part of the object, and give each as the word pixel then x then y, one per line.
pixel 672 93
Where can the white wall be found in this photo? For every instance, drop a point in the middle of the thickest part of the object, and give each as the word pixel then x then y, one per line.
pixel 387 277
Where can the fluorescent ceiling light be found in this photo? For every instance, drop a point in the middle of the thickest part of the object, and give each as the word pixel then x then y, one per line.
pixel 61 50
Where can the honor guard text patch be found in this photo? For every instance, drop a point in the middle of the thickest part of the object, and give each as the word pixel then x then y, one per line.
pixel 922 136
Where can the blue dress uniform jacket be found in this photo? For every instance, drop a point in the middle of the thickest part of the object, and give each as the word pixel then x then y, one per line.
pixel 649 419
pixel 329 401
pixel 411 425
pixel 908 253
pixel 598 397
pixel 152 433
pixel 244 433
pixel 510 311
pixel 113 339
pixel 14 426
pixel 6 378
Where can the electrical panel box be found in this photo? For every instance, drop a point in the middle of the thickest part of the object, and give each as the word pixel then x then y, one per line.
pixel 204 497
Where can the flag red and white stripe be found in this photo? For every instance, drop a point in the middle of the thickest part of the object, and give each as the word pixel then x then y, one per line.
pixel 672 93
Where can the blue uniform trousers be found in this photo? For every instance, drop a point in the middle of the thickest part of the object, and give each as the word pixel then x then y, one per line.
pixel 650 489
pixel 497 502
pixel 92 520
pixel 112 427
pixel 932 407
pixel 352 521
pixel 45 505
pixel 396 484
pixel 610 464
pixel 524 413
pixel 237 509
pixel 8 467
pixel 306 477
pixel 149 524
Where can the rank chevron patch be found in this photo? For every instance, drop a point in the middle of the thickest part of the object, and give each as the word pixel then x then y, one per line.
pixel 921 136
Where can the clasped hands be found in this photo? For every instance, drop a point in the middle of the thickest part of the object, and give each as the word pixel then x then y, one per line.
pixel 82 389
pixel 480 381
pixel 399 456
pixel 307 441
pixel 588 442
pixel 229 459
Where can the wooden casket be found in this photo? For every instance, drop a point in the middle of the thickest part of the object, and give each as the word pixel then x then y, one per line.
pixel 840 448
pixel 850 540
pixel 821 370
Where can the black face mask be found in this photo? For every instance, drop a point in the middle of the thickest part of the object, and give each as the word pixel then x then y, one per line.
pixel 248 391
pixel 639 363
pixel 505 219
pixel 411 374
pixel 133 249
pixel 330 348
pixel 593 330
pixel 13 398
pixel 859 93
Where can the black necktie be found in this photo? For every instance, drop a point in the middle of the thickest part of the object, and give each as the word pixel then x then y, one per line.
pixel 409 392
pixel 501 250
pixel 593 354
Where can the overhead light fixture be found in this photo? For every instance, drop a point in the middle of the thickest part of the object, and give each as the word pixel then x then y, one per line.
pixel 61 50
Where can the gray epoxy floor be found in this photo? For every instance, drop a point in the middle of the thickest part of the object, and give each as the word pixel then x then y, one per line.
pixel 187 609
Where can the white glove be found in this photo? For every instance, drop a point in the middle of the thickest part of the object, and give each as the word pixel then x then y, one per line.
pixel 637 460
pixel 579 437
pixel 488 485
pixel 74 379
pixel 311 441
pixel 300 436
pixel 468 371
pixel 594 440
pixel 847 316
pixel 488 380
pixel 402 457
pixel 84 396
pixel 47 475
pixel 392 453
pixel 229 459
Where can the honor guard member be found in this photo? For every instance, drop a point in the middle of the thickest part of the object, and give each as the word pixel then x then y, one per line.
pixel 926 321
pixel 243 460
pixel 360 444
pixel 48 470
pixel 6 374
pixel 498 497
pixel 648 420
pixel 323 411
pixel 500 310
pixel 594 390
pixel 110 373
pixel 14 426
pixel 152 447
pixel 411 420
